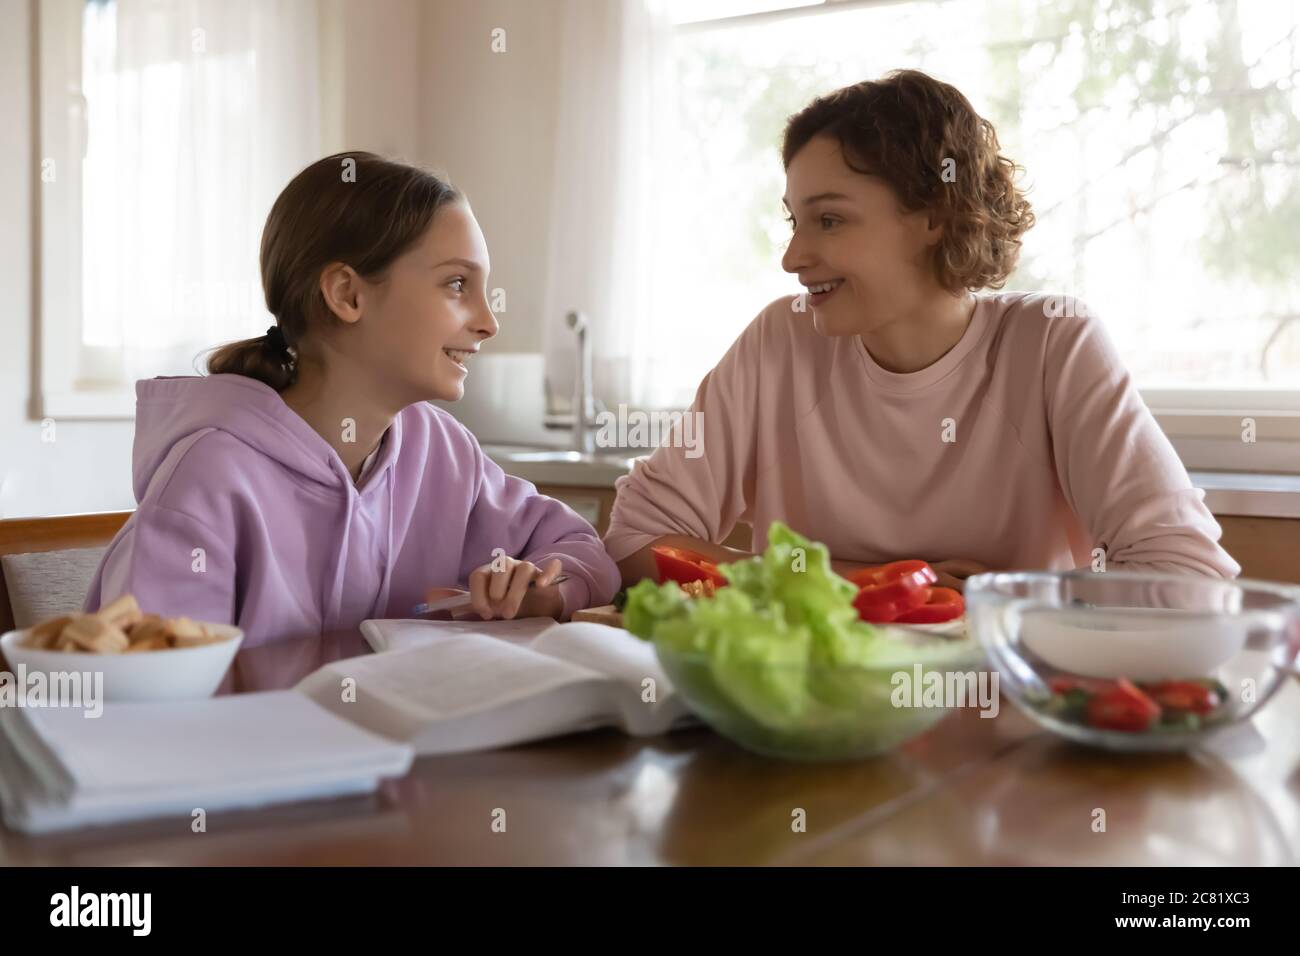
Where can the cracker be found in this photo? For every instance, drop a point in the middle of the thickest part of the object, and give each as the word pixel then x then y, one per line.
pixel 152 630
pixel 153 642
pixel 46 634
pixel 91 633
pixel 122 613
pixel 187 633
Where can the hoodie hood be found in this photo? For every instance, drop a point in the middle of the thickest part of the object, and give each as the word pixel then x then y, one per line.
pixel 170 410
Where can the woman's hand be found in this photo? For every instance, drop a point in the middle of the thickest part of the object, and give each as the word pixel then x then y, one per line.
pixel 953 573
pixel 500 589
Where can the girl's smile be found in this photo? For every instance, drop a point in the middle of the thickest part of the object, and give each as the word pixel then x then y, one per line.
pixel 459 356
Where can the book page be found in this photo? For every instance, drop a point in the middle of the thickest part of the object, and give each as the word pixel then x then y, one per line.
pixel 387 634
pixel 449 676
pixel 610 650
pixel 645 696
pixel 487 671
pixel 466 691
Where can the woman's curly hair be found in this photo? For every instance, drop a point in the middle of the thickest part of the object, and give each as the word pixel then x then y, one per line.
pixel 902 129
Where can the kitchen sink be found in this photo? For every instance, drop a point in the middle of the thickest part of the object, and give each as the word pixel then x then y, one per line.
pixel 560 466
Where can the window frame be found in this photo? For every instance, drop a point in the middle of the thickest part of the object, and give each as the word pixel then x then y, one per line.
pixel 61 388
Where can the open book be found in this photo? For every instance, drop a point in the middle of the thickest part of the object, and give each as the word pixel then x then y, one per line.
pixel 453 686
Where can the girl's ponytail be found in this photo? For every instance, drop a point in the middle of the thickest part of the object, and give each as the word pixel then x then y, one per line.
pixel 266 358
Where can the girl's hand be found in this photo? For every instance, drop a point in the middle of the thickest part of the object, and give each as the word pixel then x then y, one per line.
pixel 500 589
pixel 953 573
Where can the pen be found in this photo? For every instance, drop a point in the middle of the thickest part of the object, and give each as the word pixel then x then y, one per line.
pixel 459 601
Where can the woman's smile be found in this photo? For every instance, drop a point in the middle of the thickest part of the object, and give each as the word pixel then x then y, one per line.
pixel 819 292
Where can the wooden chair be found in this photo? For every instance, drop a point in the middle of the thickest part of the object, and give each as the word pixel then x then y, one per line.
pixel 29 535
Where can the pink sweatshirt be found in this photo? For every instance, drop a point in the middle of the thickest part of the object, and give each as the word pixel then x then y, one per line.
pixel 1052 453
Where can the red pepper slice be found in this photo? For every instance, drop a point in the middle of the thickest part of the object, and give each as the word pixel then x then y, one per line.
pixel 1064 683
pixel 889 590
pixel 682 566
pixel 1183 695
pixel 1122 707
pixel 871 608
pixel 913 570
pixel 942 604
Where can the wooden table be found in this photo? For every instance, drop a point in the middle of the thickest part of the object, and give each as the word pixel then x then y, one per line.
pixel 970 791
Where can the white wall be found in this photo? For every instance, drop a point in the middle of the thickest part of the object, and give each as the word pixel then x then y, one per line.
pixel 406 78
pixel 369 65
pixel 487 120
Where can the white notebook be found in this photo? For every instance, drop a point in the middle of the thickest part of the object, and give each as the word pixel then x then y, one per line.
pixel 447 687
pixel 59 769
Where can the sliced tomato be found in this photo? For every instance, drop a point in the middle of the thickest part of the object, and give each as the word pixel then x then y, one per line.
pixel 1183 695
pixel 683 566
pixel 889 590
pixel 1122 707
pixel 942 604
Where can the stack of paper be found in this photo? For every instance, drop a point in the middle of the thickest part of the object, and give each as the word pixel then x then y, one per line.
pixel 60 768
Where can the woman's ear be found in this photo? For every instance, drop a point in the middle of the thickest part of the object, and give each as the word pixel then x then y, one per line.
pixel 933 229
pixel 341 287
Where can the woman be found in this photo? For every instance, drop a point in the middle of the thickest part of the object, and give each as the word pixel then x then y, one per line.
pixel 306 484
pixel 892 412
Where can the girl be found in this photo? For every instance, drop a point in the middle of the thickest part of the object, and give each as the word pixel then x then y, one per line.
pixel 890 412
pixel 305 484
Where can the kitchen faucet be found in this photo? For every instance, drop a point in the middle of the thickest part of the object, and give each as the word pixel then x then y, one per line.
pixel 584 405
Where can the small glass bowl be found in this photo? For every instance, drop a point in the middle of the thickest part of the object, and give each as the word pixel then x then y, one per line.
pixel 1089 654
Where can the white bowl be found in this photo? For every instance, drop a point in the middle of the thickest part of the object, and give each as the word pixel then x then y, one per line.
pixel 174 674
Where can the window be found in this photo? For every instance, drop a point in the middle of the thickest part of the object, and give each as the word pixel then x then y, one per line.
pixel 166 131
pixel 1161 140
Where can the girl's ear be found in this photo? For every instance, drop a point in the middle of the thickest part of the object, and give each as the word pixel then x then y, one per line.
pixel 340 285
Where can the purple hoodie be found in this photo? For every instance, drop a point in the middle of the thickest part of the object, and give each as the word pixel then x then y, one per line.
pixel 290 545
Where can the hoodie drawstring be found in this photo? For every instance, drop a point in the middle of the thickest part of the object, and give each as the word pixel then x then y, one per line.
pixel 335 603
pixel 382 604
pixel 335 600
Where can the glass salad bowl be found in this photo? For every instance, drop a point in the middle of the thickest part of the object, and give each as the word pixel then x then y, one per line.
pixel 797 709
pixel 1135 661
pixel 775 657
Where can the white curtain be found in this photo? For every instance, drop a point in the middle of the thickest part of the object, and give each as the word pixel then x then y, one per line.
pixel 609 207
pixel 199 112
